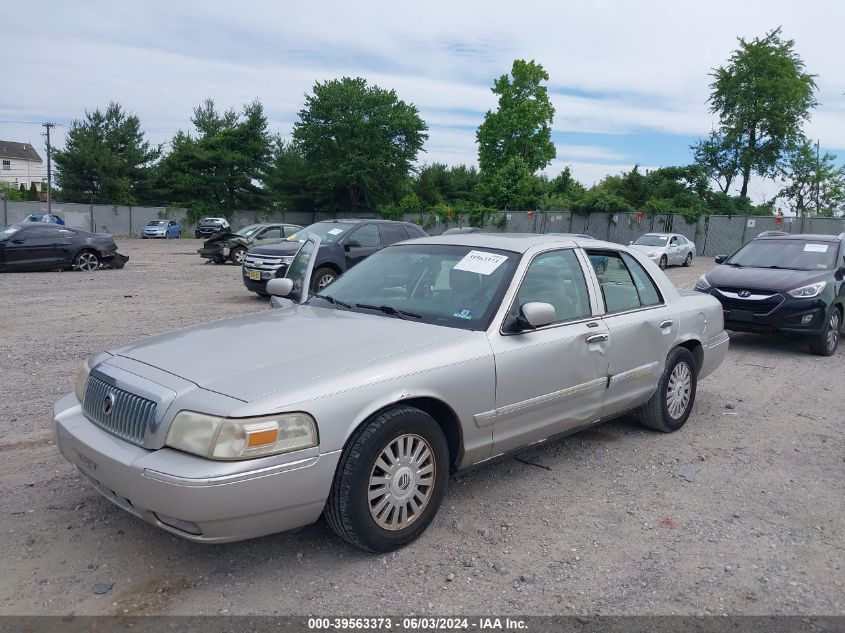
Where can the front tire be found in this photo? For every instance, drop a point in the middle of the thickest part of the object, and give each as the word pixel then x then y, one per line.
pixel 237 255
pixel 688 260
pixel 663 262
pixel 390 480
pixel 671 405
pixel 322 278
pixel 86 261
pixel 825 344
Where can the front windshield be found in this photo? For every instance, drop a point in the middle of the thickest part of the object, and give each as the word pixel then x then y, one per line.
pixel 453 286
pixel 789 254
pixel 327 231
pixel 156 223
pixel 652 240
pixel 249 231
pixel 8 232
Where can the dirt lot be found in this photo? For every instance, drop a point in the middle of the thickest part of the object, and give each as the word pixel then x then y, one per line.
pixel 598 523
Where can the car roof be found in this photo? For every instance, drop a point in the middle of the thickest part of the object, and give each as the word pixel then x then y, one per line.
pixel 815 237
pixel 516 242
pixel 368 220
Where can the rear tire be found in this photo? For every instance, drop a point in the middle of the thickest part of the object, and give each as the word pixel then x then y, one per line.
pixel 86 261
pixel 390 480
pixel 671 405
pixel 826 343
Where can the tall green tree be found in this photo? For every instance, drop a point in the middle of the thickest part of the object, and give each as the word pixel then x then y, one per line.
pixel 359 142
pixel 512 186
pixel 521 125
pixel 813 184
pixel 217 170
pixel 762 97
pixel 719 159
pixel 286 180
pixel 105 158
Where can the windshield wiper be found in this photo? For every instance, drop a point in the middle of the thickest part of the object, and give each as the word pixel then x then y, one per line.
pixel 332 300
pixel 782 268
pixel 389 310
pixel 735 265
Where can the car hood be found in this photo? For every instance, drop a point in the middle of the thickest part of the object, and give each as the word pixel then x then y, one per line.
pixel 251 356
pixel 280 249
pixel 646 249
pixel 762 278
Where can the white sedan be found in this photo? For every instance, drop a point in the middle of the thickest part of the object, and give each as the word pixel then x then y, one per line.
pixel 666 249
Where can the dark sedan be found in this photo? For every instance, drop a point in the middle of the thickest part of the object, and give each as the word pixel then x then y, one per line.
pixel 784 284
pixel 37 246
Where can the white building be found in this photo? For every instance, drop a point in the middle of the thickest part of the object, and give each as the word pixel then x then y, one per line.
pixel 21 164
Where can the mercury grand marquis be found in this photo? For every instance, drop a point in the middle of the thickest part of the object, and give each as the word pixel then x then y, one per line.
pixel 359 402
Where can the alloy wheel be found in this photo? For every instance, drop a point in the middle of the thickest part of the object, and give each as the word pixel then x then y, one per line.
pixel 324 281
pixel 678 390
pixel 833 326
pixel 87 262
pixel 401 482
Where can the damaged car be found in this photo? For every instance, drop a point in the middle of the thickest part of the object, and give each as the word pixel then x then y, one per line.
pixel 39 246
pixel 359 402
pixel 225 246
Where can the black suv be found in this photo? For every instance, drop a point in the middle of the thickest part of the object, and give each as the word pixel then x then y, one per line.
pixel 343 243
pixel 784 284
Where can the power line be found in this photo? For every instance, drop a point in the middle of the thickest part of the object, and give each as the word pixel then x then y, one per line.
pixel 30 123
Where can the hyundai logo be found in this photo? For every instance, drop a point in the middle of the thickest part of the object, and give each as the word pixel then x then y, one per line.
pixel 744 294
pixel 108 404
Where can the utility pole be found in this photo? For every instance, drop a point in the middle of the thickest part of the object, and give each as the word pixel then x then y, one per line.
pixel 818 182
pixel 49 168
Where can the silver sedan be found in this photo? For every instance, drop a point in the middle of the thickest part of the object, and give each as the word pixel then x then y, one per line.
pixel 358 403
pixel 666 249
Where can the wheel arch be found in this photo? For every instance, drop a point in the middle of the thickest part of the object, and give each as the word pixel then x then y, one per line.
pixel 696 349
pixel 441 412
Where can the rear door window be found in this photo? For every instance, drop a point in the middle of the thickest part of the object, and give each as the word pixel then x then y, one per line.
pixel 392 233
pixel 366 236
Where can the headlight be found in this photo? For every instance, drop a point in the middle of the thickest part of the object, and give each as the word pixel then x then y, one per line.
pixel 810 291
pixel 82 381
pixel 652 254
pixel 241 438
pixel 287 260
pixel 702 283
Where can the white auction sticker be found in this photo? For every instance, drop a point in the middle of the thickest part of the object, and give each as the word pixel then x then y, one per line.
pixel 815 248
pixel 335 231
pixel 480 262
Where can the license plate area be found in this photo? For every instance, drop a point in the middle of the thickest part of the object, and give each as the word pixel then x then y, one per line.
pixel 255 275
pixel 741 315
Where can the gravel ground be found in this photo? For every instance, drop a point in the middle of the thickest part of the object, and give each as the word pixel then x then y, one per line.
pixel 595 524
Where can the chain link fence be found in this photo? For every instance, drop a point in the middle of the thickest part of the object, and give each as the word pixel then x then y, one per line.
pixel 712 234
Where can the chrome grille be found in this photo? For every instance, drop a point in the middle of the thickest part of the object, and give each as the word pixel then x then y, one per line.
pixel 760 302
pixel 129 416
pixel 263 262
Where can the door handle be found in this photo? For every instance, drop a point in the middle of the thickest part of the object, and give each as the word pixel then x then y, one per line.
pixel 665 324
pixel 596 338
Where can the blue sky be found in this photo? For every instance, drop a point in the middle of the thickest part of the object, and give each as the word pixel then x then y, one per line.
pixel 629 80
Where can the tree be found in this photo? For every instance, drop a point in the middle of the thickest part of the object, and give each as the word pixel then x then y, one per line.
pixel 10 192
pixel 218 170
pixel 286 180
pixel 521 126
pixel 512 186
pixel 105 159
pixel 359 142
pixel 812 184
pixel 762 97
pixel 32 193
pixel 719 160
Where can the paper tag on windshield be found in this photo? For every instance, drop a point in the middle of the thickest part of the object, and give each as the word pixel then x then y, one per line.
pixel 335 231
pixel 815 248
pixel 480 262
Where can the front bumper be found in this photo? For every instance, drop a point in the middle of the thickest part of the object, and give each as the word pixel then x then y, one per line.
pixel 786 318
pixel 225 503
pixel 153 236
pixel 260 285
pixel 215 251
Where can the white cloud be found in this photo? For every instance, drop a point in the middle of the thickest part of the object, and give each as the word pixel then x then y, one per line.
pixel 614 67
